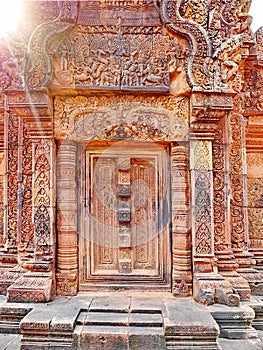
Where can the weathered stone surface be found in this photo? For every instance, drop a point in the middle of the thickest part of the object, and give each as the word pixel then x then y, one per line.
pixel 189 325
pixel 234 322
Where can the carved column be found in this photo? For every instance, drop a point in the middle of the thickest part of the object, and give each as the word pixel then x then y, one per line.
pixel 181 238
pixel 238 200
pixel 226 261
pixel 67 241
pixel 255 203
pixel 238 207
pixel 29 189
pixel 209 286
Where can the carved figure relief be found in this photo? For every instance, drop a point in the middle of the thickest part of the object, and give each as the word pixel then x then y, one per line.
pixel 116 57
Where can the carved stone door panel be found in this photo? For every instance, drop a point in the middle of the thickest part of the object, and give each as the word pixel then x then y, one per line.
pixel 125 239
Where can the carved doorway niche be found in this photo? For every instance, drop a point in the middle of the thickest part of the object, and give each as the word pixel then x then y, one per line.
pixel 125 221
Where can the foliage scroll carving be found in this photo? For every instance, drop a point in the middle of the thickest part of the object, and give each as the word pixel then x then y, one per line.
pixel 121 117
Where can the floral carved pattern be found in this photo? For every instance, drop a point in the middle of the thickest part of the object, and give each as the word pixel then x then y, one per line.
pixel 12 190
pixel 203 213
pixel 219 189
pixel 42 195
pixel 121 117
pixel 238 224
pixel 27 229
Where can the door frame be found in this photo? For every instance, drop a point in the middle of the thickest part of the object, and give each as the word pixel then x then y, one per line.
pixel 160 282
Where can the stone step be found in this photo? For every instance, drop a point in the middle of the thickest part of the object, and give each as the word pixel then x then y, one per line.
pixel 11 315
pixel 189 326
pixel 119 338
pixel 120 319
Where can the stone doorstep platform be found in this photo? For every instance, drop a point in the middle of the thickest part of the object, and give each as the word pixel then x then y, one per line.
pixel 128 320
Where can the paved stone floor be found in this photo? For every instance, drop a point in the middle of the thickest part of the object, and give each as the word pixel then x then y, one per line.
pixel 122 320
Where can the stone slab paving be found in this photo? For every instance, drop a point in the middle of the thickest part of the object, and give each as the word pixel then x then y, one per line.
pixel 227 344
pixel 10 341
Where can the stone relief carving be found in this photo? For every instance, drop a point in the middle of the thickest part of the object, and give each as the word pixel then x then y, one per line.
pixel 42 196
pixel 203 229
pixel 116 56
pixel 123 117
pixel 208 27
pixel 37 69
pixel 236 159
pixel 27 228
pixel 12 190
pixel 255 211
pixel 220 198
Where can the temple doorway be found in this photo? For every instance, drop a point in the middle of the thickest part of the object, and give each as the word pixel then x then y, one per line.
pixel 124 226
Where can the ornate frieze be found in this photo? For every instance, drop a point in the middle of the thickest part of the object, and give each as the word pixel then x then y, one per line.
pixel 122 117
pixel 116 57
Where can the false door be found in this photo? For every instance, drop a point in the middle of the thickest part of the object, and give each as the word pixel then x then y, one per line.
pixel 125 223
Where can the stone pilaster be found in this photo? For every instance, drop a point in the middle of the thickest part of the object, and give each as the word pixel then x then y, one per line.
pixel 238 200
pixel 209 286
pixel 226 261
pixel 29 181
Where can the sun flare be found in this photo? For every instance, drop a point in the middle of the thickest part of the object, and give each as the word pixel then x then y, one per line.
pixel 10 14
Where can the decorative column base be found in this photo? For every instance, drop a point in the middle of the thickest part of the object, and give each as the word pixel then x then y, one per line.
pixel 67 284
pixel 32 287
pixel 8 275
pixel 210 288
pixel 239 283
pixel 254 279
pixel 258 256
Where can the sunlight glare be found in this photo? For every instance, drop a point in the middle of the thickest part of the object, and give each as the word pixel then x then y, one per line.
pixel 10 14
